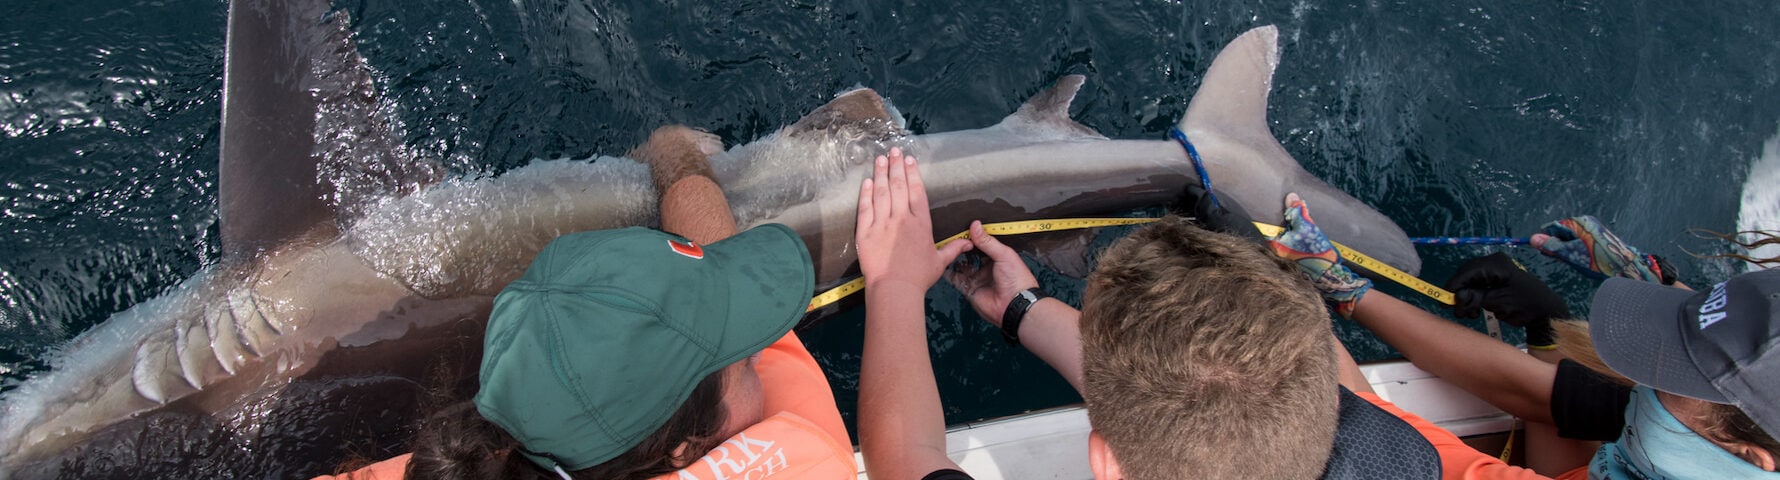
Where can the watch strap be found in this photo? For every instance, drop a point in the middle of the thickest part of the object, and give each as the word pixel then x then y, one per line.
pixel 1016 312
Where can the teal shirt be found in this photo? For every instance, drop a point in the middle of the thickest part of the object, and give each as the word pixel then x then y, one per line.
pixel 1655 445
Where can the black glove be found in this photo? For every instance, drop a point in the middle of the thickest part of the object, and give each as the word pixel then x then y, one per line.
pixel 1497 284
pixel 1221 216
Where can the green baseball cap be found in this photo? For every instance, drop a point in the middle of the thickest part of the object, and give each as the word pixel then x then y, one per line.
pixel 608 332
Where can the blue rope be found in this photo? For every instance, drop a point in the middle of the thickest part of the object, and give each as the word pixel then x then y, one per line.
pixel 1198 165
pixel 1469 241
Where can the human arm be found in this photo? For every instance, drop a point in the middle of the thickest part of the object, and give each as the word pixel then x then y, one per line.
pixel 1494 371
pixel 1050 330
pixel 692 204
pixel 902 430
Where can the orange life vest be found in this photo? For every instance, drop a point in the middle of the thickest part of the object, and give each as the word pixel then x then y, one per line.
pixel 392 469
pixel 803 438
pixel 784 446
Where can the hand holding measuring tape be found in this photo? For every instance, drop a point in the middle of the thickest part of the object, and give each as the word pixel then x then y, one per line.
pixel 1304 244
pixel 1497 284
pixel 991 287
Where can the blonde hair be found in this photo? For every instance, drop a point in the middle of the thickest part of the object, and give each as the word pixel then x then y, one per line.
pixel 1201 350
pixel 1574 342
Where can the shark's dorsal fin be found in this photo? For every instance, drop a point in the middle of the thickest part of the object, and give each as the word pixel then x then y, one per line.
pixel 857 108
pixel 303 139
pixel 1049 111
pixel 1232 98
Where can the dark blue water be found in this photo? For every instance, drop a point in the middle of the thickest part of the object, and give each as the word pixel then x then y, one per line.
pixel 1453 118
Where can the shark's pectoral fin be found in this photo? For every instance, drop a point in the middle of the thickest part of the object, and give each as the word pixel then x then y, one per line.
pixel 861 109
pixel 303 133
pixel 1232 98
pixel 1047 113
pixel 268 189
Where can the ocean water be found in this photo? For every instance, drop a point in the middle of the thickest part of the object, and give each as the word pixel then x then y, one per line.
pixel 1452 118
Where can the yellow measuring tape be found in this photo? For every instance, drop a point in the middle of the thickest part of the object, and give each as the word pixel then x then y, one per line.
pixel 1004 228
pixel 1507 448
pixel 1035 226
pixel 1373 265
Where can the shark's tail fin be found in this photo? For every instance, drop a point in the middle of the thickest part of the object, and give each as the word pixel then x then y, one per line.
pixel 1232 98
pixel 1229 113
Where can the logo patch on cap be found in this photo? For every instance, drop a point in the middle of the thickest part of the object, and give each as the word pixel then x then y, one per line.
pixel 1713 310
pixel 689 249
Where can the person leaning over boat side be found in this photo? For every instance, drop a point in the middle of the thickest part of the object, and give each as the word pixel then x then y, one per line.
pixel 1585 407
pixel 1705 365
pixel 1184 332
pixel 1579 408
pixel 631 353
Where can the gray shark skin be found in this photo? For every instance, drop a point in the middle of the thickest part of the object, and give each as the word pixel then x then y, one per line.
pixel 1038 163
pixel 351 305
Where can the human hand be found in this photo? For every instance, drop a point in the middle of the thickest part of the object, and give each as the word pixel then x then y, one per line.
pixel 1304 244
pixel 1497 284
pixel 990 288
pixel 895 230
pixel 1587 245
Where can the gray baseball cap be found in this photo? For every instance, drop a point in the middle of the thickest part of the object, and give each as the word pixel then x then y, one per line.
pixel 1720 344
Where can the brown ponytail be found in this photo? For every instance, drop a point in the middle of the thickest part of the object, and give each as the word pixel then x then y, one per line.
pixel 457 443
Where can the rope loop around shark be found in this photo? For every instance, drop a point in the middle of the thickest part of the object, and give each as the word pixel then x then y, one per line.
pixel 312 312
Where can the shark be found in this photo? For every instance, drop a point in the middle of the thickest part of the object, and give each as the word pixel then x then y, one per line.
pixel 356 279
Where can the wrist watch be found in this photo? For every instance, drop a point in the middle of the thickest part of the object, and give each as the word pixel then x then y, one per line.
pixel 1016 311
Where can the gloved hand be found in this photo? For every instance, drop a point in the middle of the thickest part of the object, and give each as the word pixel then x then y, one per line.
pixel 1218 216
pixel 1497 283
pixel 1303 243
pixel 1587 245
